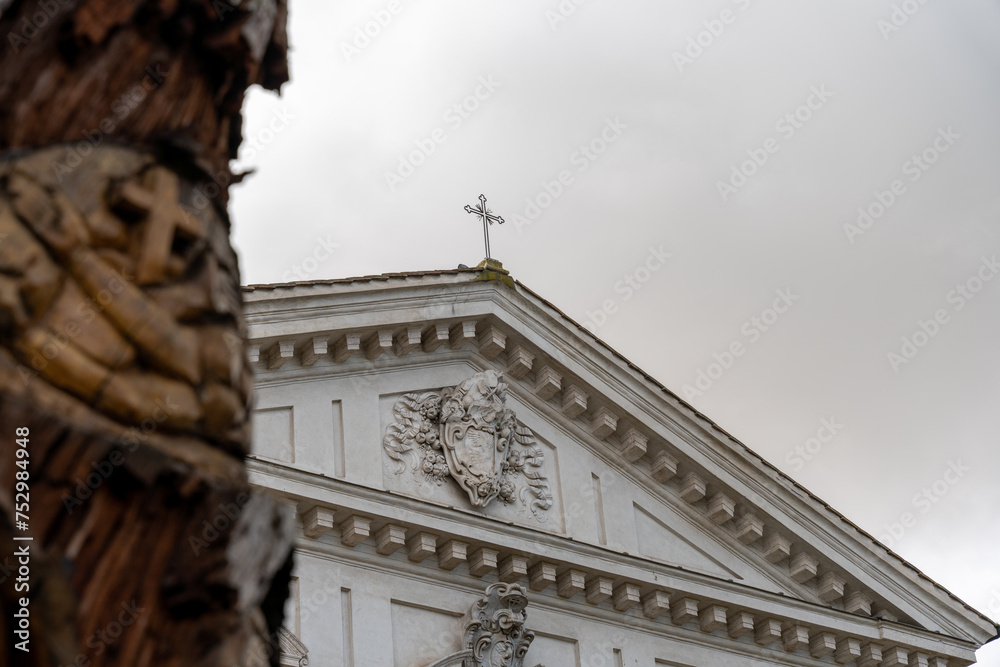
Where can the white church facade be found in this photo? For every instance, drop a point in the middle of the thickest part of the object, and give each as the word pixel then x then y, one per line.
pixel 478 481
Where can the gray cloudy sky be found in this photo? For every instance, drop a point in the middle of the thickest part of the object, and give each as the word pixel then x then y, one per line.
pixel 739 137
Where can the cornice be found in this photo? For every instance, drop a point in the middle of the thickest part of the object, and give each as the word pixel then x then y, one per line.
pixel 386 531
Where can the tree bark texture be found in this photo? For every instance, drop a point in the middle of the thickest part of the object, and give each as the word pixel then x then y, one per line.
pixel 121 336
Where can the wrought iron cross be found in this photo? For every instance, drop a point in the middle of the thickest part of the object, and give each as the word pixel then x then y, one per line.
pixel 488 219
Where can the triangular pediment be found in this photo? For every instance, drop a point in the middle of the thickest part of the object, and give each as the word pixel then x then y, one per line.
pixel 566 486
pixel 656 539
pixel 630 471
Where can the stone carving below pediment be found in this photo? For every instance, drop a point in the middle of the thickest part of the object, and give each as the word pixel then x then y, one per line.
pixel 467 432
pixel 495 635
pixel 293 652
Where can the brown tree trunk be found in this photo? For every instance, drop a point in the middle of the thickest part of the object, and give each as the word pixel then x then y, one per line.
pixel 123 389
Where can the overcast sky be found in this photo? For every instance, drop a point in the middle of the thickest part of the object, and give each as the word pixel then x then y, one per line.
pixel 669 172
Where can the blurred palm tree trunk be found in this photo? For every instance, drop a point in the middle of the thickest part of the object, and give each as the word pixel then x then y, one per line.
pixel 123 390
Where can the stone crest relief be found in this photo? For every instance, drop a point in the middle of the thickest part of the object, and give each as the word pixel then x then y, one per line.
pixel 467 433
pixel 495 635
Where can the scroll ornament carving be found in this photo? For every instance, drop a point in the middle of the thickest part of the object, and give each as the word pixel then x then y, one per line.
pixel 293 653
pixel 467 432
pixel 495 634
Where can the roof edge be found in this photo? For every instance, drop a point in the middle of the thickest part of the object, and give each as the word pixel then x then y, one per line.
pixel 486 271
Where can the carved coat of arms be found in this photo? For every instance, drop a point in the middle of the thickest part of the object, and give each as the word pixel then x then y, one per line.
pixel 495 634
pixel 468 433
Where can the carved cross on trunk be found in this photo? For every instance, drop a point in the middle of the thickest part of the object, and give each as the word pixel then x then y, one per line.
pixel 156 199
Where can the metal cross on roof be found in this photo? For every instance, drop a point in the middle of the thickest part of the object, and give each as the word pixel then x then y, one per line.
pixel 488 219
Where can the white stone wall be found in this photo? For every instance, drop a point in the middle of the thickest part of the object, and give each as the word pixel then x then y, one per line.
pixel 666 542
pixel 358 616
pixel 333 426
